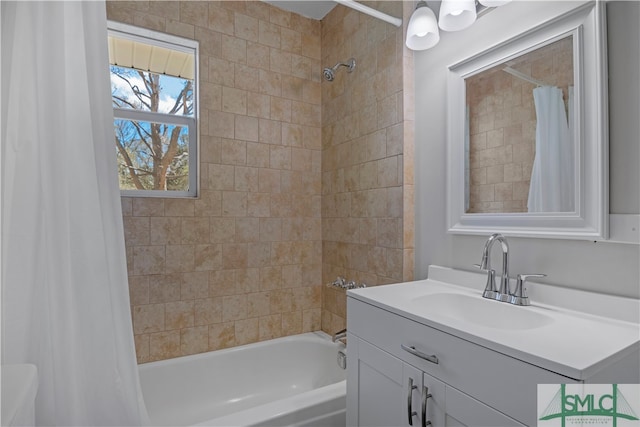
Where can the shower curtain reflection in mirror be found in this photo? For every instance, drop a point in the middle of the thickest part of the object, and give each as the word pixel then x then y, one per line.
pixel 506 130
pixel 552 183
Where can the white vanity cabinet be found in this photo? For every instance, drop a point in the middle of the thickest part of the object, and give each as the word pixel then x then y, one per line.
pixel 385 391
pixel 379 371
pixel 477 375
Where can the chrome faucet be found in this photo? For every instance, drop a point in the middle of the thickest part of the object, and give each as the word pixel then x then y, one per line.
pixel 342 356
pixel 340 335
pixel 504 293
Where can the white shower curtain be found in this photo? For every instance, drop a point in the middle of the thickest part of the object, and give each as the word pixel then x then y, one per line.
pixel 552 179
pixel 65 302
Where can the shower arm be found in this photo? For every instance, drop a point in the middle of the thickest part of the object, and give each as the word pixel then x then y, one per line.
pixel 351 64
pixel 330 73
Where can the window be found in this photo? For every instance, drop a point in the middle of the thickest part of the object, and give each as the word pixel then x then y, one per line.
pixel 154 94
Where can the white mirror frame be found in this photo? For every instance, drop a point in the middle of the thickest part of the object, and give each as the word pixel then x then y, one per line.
pixel 590 221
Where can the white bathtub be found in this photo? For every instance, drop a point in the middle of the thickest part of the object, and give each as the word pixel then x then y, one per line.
pixel 286 381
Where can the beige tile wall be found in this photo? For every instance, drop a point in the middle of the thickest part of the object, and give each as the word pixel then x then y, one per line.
pixel 367 155
pixel 241 263
pixel 503 127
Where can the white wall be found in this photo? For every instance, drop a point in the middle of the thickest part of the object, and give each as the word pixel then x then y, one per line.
pixel 601 267
pixel 624 105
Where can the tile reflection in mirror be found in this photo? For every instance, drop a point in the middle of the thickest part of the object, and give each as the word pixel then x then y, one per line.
pixel 501 127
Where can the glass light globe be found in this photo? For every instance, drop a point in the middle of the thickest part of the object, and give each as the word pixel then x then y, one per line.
pixel 494 3
pixel 422 31
pixel 456 15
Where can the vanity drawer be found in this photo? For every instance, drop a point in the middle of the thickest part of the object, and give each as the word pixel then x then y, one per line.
pixel 502 382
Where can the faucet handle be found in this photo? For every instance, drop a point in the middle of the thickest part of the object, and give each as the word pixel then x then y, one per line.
pixel 519 296
pixel 522 279
pixel 490 291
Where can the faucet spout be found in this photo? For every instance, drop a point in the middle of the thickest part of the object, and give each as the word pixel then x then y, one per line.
pixel 504 292
pixel 339 336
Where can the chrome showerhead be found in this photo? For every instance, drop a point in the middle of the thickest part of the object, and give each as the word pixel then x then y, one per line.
pixel 330 73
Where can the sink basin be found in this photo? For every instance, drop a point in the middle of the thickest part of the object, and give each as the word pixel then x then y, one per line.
pixel 556 332
pixel 481 311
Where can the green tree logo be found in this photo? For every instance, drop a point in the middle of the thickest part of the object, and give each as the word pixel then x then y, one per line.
pixel 589 407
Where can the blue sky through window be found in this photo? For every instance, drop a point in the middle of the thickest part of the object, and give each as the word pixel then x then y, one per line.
pixel 170 89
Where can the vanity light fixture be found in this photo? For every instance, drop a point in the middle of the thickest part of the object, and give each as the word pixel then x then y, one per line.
pixel 493 3
pixel 422 31
pixel 454 15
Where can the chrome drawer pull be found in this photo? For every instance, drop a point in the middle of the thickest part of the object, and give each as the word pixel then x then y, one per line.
pixel 411 349
pixel 410 412
pixel 425 396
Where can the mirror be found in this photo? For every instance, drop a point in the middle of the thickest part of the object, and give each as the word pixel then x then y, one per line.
pixel 527 133
pixel 519 114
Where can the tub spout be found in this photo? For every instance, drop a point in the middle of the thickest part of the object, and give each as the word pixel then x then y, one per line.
pixel 339 336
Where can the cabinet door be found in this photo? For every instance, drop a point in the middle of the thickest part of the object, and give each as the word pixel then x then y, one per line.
pixel 380 388
pixel 412 395
pixel 434 405
pixel 463 410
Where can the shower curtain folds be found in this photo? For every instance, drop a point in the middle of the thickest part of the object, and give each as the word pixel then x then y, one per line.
pixel 552 180
pixel 65 302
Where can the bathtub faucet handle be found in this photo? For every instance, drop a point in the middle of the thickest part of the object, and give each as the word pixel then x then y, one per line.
pixel 339 282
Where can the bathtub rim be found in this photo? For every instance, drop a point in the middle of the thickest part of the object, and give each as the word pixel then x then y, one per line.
pixel 314 335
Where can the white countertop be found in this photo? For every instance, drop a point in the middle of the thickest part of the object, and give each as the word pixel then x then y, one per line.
pixel 570 342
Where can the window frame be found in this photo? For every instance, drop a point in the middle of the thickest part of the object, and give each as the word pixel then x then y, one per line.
pixel 181 44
